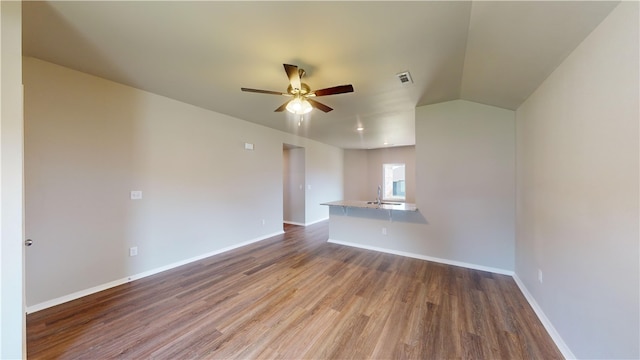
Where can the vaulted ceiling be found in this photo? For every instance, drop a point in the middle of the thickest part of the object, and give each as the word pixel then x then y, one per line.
pixel 203 52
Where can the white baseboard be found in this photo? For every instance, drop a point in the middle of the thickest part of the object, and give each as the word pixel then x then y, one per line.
pixel 75 295
pixel 315 222
pixel 95 289
pixel 425 257
pixel 305 224
pixel 562 346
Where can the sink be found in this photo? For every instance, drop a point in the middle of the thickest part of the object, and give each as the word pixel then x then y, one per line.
pixel 382 203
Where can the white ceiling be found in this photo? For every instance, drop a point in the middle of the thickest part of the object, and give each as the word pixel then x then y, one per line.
pixel 203 52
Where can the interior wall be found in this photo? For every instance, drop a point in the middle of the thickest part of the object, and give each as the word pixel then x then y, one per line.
pixel 465 192
pixel 363 171
pixel 577 208
pixel 294 186
pixel 12 326
pixel 356 176
pixel 89 142
pixel 323 177
pixel 465 182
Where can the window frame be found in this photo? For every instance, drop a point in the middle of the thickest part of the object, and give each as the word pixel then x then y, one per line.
pixel 385 184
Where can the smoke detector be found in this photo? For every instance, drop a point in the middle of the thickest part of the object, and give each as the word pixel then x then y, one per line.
pixel 405 78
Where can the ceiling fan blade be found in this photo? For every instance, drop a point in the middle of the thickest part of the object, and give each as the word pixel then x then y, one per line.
pixel 318 105
pixel 341 89
pixel 263 91
pixel 282 107
pixel 294 76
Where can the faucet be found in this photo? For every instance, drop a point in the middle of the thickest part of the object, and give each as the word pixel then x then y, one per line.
pixel 378 201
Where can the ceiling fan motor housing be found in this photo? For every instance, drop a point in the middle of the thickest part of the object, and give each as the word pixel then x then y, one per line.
pixel 304 89
pixel 302 101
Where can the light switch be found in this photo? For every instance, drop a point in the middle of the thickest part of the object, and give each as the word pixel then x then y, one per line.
pixel 136 195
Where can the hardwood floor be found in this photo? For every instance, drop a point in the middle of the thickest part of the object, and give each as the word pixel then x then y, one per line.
pixel 296 296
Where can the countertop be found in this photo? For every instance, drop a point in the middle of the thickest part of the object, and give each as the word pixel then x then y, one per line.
pixel 385 205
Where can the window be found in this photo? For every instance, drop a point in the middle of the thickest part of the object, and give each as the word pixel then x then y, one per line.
pixel 393 182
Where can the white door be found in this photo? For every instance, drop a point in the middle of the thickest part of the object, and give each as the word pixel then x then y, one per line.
pixel 12 308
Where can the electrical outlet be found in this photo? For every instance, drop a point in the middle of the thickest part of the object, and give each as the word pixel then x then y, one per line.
pixel 136 195
pixel 133 251
pixel 540 276
pixel 384 231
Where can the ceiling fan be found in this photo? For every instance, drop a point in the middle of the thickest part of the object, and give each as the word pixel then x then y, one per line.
pixel 301 93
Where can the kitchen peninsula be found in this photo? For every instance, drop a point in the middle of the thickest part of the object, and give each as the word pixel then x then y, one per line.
pixel 381 205
pixel 372 225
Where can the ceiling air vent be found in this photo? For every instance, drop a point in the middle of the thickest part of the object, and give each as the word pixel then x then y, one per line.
pixel 405 78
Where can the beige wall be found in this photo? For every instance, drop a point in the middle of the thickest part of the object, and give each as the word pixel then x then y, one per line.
pixel 577 211
pixel 356 176
pixel 465 157
pixel 324 171
pixel 465 191
pixel 89 142
pixel 363 171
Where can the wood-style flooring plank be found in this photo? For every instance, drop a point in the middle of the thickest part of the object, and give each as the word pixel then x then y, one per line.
pixel 296 296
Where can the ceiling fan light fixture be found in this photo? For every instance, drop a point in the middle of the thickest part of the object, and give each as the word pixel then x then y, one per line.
pixel 299 106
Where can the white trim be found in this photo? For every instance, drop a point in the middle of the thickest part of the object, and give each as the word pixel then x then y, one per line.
pixel 425 257
pixel 316 221
pixel 95 289
pixel 305 224
pixel 562 346
pixel 74 296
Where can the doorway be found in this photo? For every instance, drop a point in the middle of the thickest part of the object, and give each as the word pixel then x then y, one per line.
pixel 293 191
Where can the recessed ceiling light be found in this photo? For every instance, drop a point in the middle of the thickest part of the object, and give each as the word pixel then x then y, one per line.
pixel 359 128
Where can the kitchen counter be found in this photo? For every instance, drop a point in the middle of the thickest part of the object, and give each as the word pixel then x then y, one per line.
pixel 385 205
